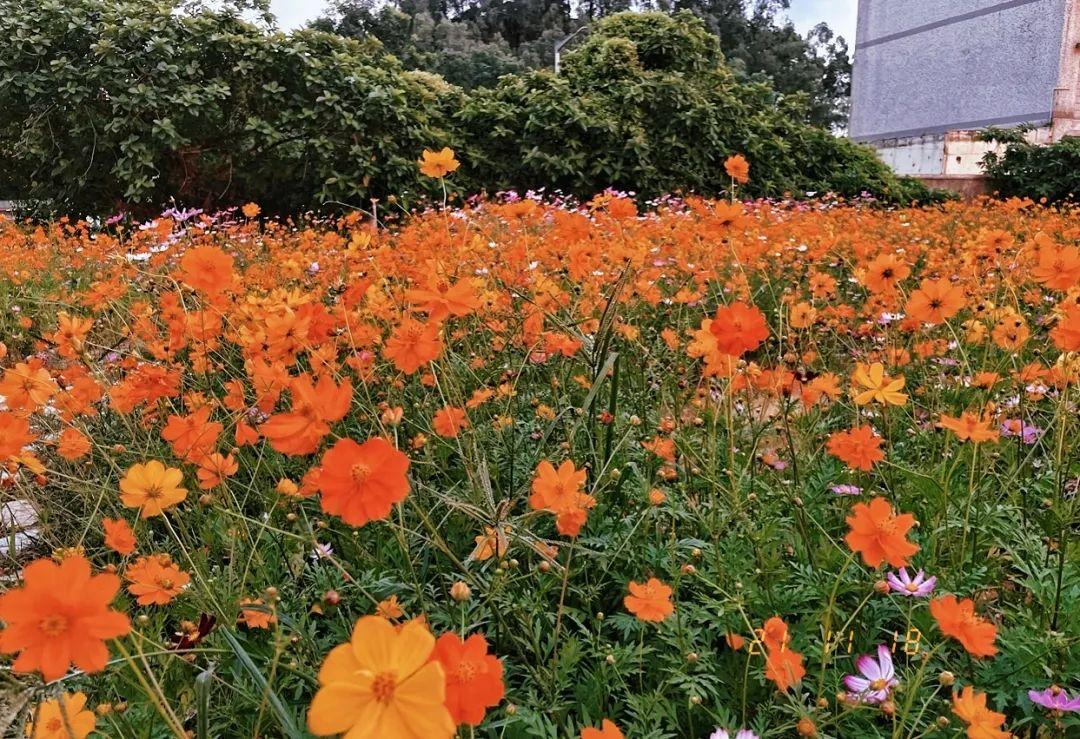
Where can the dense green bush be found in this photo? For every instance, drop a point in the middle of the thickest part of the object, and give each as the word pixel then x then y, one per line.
pixel 1037 172
pixel 107 104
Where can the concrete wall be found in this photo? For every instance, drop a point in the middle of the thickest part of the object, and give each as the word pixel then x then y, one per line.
pixel 925 67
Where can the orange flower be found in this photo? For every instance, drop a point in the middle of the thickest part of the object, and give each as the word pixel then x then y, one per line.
pixel 27 387
pixel 738 328
pixel 982 723
pixel 118 536
pixel 959 621
pixel 412 345
pixel 1066 332
pixel 858 448
pixel 1058 268
pixel 207 269
pixel 969 427
pixel 783 666
pixel 214 468
pixel 473 677
pixel 879 535
pixel 737 168
pixel 192 437
pixel 607 730
pixel 251 210
pixel 885 273
pixel 259 617
pixel 560 492
pixel 155 580
pixel 315 407
pixel 650 601
pixel 72 444
pixel 448 422
pixel 14 435
pixel 440 302
pixel 877 386
pixel 65 717
pixel 438 164
pixel 152 487
pixel 59 616
pixel 382 683
pixel 389 608
pixel 935 301
pixel 362 482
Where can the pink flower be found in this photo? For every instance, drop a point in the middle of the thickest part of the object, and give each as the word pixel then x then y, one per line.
pixel 877 679
pixel 918 587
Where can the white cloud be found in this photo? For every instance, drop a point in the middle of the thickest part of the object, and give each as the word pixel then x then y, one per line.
pixel 295 13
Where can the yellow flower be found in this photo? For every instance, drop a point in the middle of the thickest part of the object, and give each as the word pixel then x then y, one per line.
pixel 438 163
pixel 74 722
pixel 152 487
pixel 381 685
pixel 877 386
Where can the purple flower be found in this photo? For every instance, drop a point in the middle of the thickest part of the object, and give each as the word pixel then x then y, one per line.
pixel 918 587
pixel 846 489
pixel 877 677
pixel 1055 699
pixel 1014 427
pixel 740 734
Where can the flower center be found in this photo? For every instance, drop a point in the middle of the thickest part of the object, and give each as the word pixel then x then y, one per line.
pixel 382 687
pixel 54 725
pixel 360 473
pixel 165 583
pixel 466 671
pixel 878 684
pixel 153 492
pixel 53 625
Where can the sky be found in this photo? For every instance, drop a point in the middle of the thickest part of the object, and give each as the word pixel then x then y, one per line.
pixel 839 14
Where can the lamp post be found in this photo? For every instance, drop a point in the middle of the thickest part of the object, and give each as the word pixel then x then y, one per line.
pixel 562 43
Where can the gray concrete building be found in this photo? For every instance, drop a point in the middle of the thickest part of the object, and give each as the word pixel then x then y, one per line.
pixel 928 74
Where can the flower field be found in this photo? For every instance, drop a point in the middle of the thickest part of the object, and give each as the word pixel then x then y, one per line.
pixel 533 469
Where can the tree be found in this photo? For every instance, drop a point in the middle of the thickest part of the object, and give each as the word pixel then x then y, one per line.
pixel 506 35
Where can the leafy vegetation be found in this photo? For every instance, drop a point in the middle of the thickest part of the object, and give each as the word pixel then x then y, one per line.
pixel 1047 173
pixel 108 106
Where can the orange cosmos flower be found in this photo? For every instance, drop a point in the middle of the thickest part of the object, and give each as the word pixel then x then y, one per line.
pixel 389 608
pixel 59 616
pixel 560 492
pixel 969 427
pixel 412 345
pixel 152 487
pixel 155 580
pixel 885 273
pixel 1058 268
pixel 362 482
pixel 260 616
pixel 14 435
pixel 72 444
pixel 70 336
pixel 118 536
pixel 448 422
pixel 315 407
pixel 1066 332
pixel 383 684
pixel 440 302
pixel 438 164
pixel 649 601
pixel 877 386
pixel 879 535
pixel 27 387
pixel 607 730
pixel 783 666
pixel 738 328
pixel 982 723
pixel 214 468
pixel 65 717
pixel 935 301
pixel 473 677
pixel 251 210
pixel 958 620
pixel 858 448
pixel 192 437
pixel 737 168
pixel 207 269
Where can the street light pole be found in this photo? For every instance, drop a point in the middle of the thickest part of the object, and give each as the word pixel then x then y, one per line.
pixel 560 44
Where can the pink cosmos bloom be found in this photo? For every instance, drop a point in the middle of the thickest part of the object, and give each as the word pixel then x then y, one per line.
pixel 1054 699
pixel 877 677
pixel 918 587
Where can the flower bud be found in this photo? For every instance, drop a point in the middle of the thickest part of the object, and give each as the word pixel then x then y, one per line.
pixel 460 591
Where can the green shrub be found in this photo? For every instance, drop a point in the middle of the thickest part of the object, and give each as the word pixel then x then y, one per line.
pixel 1038 172
pixel 107 105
